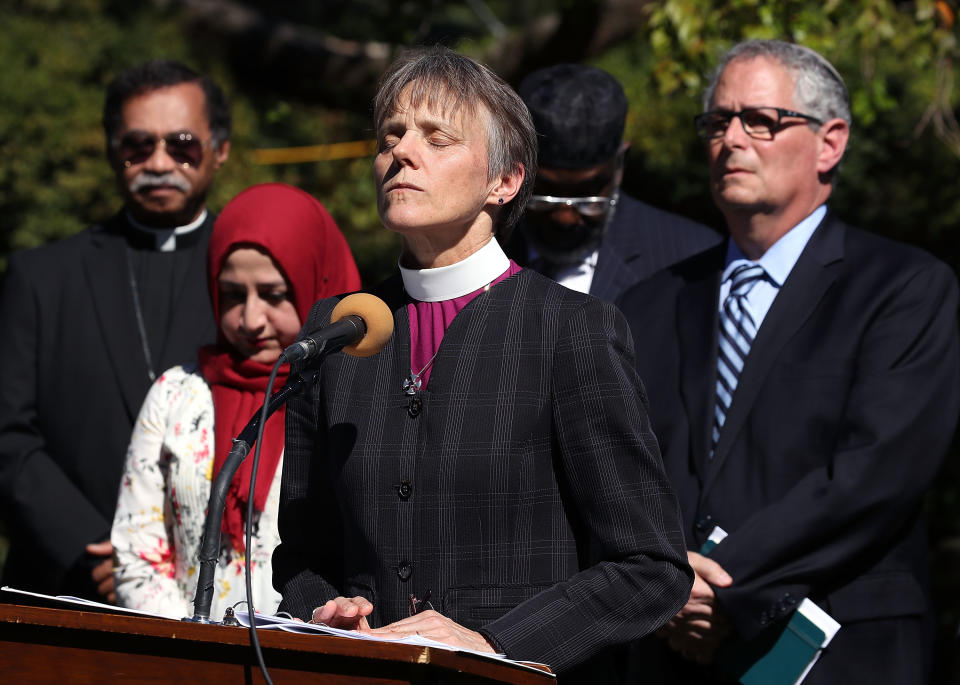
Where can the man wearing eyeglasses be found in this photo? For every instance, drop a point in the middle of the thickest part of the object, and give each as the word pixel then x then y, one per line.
pixel 803 382
pixel 90 321
pixel 580 228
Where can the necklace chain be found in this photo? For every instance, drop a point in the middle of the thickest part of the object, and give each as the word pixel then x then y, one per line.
pixel 414 382
pixel 144 344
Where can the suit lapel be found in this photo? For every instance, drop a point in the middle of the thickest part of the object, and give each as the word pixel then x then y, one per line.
pixel 811 277
pixel 105 267
pixel 613 273
pixel 696 304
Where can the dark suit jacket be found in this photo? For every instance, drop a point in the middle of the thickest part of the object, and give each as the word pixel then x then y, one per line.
pixel 842 415
pixel 523 488
pixel 72 378
pixel 640 241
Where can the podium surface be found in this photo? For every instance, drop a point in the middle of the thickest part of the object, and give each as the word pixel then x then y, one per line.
pixel 41 645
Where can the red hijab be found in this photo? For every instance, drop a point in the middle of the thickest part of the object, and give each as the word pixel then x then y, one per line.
pixel 308 249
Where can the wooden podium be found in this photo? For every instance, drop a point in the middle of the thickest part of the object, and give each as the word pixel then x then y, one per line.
pixel 39 645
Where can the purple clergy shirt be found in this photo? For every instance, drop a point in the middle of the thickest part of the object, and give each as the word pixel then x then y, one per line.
pixel 430 320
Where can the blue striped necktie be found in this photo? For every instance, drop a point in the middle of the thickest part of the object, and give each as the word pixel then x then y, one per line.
pixel 737 330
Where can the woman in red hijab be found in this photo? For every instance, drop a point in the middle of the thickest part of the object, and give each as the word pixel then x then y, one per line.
pixel 273 252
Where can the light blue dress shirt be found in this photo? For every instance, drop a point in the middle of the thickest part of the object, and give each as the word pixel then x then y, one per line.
pixel 778 262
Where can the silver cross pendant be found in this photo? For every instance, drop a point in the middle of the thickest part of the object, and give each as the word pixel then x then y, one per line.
pixel 412 385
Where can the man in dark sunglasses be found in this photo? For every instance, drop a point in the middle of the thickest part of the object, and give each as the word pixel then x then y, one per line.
pixel 580 228
pixel 88 323
pixel 804 385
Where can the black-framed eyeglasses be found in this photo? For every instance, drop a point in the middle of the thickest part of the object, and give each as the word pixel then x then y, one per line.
pixel 592 207
pixel 758 122
pixel 184 148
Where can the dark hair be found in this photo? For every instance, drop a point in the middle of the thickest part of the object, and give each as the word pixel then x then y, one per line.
pixel 447 81
pixel 580 113
pixel 162 73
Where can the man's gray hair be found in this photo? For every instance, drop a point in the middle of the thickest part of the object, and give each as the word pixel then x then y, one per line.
pixel 447 82
pixel 819 89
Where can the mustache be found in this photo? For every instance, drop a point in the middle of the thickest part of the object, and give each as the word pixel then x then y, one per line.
pixel 145 180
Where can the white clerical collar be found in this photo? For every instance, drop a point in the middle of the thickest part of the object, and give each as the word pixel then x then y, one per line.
pixel 449 282
pixel 165 239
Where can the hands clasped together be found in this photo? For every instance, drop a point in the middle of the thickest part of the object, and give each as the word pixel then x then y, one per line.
pixel 102 572
pixel 350 613
pixel 699 628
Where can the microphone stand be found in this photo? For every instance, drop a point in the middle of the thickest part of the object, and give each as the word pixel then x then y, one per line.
pixel 210 544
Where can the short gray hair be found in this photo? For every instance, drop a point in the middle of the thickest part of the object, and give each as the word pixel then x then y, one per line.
pixel 819 89
pixel 446 81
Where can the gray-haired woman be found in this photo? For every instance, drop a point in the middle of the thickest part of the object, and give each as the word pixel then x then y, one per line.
pixel 490 478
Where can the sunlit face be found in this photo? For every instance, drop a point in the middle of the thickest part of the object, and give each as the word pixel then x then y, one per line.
pixel 257 316
pixel 160 190
pixel 431 170
pixel 762 176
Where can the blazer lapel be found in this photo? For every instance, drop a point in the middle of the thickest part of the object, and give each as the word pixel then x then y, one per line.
pixel 811 277
pixel 613 273
pixel 105 266
pixel 696 304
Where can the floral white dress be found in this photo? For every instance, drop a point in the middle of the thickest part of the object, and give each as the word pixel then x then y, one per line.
pixel 162 503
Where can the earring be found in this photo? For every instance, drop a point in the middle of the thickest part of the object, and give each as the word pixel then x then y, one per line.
pixel 500 201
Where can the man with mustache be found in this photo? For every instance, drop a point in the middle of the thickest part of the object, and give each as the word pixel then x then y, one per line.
pixel 89 322
pixel 803 384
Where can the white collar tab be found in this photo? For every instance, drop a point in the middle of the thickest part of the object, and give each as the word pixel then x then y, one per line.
pixel 456 280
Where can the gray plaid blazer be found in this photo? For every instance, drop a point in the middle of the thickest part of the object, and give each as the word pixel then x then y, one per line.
pixel 523 488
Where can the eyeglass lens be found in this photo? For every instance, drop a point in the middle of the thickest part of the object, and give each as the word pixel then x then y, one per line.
pixel 760 122
pixel 591 208
pixel 137 147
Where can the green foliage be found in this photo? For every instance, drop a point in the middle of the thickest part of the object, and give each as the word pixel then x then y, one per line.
pixel 899 61
pixel 54 179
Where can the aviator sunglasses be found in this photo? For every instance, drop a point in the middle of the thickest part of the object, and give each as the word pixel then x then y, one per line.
pixel 183 147
pixel 593 207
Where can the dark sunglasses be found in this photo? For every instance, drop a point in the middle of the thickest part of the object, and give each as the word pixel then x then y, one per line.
pixel 183 147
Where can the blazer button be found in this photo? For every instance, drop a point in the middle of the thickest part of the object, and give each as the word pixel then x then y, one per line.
pixel 404 571
pixel 705 523
pixel 404 490
pixel 416 406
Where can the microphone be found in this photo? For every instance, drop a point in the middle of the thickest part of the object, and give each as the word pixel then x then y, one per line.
pixel 360 325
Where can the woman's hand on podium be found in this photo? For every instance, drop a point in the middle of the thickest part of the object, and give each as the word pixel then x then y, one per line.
pixel 348 613
pixel 435 626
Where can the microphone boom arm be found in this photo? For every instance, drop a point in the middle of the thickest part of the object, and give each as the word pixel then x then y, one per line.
pixel 210 543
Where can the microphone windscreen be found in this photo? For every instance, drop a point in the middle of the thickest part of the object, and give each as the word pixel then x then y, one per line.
pixel 375 314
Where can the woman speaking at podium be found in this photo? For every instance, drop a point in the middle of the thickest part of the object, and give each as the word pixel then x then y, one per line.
pixel 274 251
pixel 490 478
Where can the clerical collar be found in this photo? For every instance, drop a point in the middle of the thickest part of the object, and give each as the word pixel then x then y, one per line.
pixel 449 282
pixel 164 239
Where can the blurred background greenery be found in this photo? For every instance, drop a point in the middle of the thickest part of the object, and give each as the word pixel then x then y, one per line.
pixel 301 73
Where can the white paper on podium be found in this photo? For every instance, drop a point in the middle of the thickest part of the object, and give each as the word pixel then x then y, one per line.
pixel 280 623
pixel 81 602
